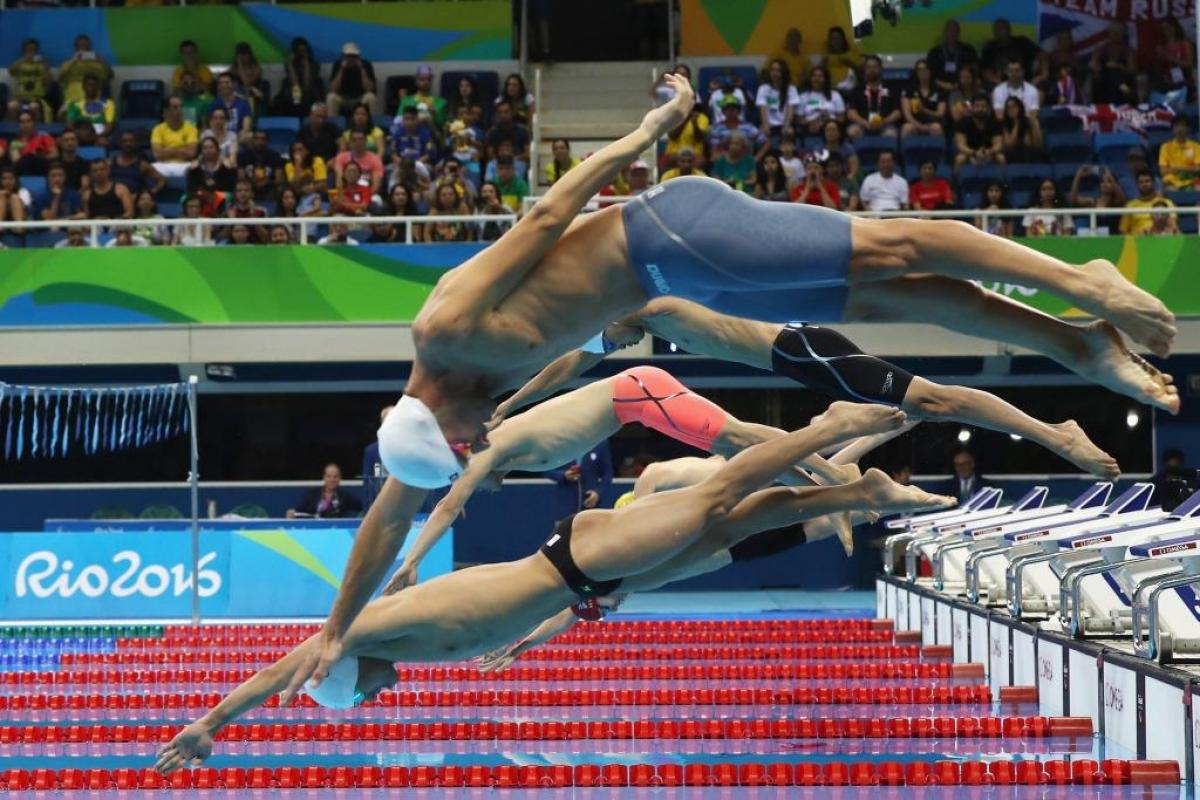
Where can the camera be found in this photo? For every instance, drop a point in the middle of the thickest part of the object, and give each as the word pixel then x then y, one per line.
pixel 864 12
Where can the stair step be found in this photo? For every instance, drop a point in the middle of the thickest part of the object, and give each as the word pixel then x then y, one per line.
pixel 613 68
pixel 554 115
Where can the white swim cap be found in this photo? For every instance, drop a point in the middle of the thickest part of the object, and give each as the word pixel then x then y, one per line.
pixel 413 449
pixel 338 689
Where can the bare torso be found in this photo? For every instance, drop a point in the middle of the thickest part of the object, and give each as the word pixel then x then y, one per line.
pixel 466 613
pixel 557 431
pixel 583 283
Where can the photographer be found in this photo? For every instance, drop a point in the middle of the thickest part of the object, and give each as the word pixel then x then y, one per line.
pixel 31 83
pixel 83 62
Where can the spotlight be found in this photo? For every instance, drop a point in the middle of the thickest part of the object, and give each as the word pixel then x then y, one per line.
pixel 964 435
pixel 1014 437
pixel 674 348
pixel 1132 419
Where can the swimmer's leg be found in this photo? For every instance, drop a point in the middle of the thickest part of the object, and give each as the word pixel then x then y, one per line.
pixel 1094 351
pixel 822 358
pixel 654 398
pixel 608 545
pixel 892 248
pixel 931 401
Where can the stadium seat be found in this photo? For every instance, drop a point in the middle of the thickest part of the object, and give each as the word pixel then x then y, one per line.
pixel 869 148
pixel 912 172
pixel 391 89
pixel 1075 147
pixel 1026 177
pixel 1019 199
pixel 1059 120
pixel 1111 148
pixel 9 129
pixel 1191 112
pixel 1185 197
pixel 92 153
pixel 1155 137
pixel 36 184
pixel 915 149
pixel 142 98
pixel 281 131
pixel 1064 176
pixel 974 178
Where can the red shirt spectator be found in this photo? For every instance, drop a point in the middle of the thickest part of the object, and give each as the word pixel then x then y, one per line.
pixel 930 192
pixel 809 189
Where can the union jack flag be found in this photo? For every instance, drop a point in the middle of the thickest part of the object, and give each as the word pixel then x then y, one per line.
pixel 1088 22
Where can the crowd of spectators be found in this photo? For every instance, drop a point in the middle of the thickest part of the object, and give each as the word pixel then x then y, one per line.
pixel 226 146
pixel 830 126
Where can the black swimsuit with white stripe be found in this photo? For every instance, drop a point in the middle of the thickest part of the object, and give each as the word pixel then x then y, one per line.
pixel 823 359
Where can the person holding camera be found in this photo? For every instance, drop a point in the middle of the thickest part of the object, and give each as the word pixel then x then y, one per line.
pixel 31 83
pixel 351 82
pixel 83 62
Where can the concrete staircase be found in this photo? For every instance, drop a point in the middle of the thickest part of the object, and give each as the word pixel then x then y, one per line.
pixel 591 104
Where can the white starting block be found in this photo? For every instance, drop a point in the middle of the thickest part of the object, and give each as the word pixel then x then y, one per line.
pixel 996 572
pixel 982 502
pixel 949 553
pixel 922 544
pixel 1100 573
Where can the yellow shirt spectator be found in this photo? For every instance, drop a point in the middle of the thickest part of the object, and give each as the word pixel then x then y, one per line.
pixel 676 172
pixel 74 71
pixel 1179 163
pixel 203 74
pixel 167 137
pixel 318 172
pixel 692 136
pixel 554 171
pixel 1138 224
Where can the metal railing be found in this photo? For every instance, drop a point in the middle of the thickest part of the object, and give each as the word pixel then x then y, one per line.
pixel 983 216
pixel 305 225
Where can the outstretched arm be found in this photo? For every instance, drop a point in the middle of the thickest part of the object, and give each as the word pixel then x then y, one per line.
pixel 481 286
pixel 566 368
pixel 442 517
pixel 378 541
pixel 500 659
pixel 195 742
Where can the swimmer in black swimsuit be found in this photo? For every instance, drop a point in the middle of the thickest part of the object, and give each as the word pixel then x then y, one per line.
pixel 823 360
pixel 469 612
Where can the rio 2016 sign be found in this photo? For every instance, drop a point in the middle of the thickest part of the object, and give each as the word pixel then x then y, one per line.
pixel 259 572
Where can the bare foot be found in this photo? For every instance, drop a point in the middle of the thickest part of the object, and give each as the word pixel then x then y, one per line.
pixel 1109 363
pixel 838 525
pixel 860 419
pixel 1077 448
pixel 1140 314
pixel 888 497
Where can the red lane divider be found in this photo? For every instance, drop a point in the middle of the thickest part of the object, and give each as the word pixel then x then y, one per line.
pixel 885 695
pixel 540 674
pixel 836 773
pixel 814 653
pixel 669 729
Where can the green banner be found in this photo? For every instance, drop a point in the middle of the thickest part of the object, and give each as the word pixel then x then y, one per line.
pixel 389 283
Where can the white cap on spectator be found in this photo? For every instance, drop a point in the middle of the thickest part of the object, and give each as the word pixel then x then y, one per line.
pixel 639 164
pixel 350 49
pixel 413 448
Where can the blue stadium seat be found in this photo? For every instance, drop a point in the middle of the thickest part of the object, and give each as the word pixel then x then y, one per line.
pixel 1155 137
pixel 1058 120
pixel 1191 112
pixel 813 143
pixel 1026 177
pixel 974 178
pixel 44 238
pixel 391 92
pixel 1111 148
pixel 170 210
pixel 1076 147
pixel 52 128
pixel 915 149
pixel 1064 176
pixel 970 199
pixel 1019 199
pixel 142 98
pixel 869 148
pixel 9 129
pixel 36 184
pixel 487 84
pixel 92 153
pixel 280 131
pixel 1185 197
pixel 384 122
pixel 1187 224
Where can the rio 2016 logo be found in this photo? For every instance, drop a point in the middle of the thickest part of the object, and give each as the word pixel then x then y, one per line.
pixel 1046 668
pixel 42 575
pixel 1114 697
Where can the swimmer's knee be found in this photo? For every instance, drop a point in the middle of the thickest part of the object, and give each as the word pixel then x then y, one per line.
pixel 935 402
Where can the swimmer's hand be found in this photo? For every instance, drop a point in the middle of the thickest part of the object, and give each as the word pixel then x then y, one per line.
pixel 669 116
pixel 403 578
pixel 322 651
pixel 624 335
pixel 498 659
pixel 191 745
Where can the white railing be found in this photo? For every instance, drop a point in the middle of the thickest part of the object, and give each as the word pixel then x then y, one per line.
pixel 977 214
pixel 98 227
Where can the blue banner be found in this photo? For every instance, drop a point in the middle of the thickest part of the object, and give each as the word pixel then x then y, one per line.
pixel 267 572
